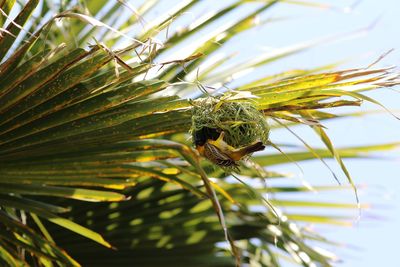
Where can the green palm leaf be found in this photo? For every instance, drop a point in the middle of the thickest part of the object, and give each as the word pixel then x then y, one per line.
pixel 94 141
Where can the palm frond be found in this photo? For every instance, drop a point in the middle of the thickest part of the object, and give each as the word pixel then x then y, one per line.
pixel 94 139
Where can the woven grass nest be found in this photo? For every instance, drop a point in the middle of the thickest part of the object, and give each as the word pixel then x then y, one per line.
pixel 242 123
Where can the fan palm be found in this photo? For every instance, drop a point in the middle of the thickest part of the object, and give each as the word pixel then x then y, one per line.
pixel 97 168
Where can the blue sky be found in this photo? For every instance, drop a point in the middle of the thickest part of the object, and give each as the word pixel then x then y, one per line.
pixel 374 240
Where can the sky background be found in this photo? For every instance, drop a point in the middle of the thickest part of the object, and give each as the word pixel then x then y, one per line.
pixel 374 240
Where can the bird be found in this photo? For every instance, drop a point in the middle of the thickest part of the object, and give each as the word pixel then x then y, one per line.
pixel 222 154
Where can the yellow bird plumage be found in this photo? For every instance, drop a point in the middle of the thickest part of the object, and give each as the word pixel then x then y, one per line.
pixel 222 154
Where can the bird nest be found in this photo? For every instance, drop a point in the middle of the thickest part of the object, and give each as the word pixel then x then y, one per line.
pixel 242 123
